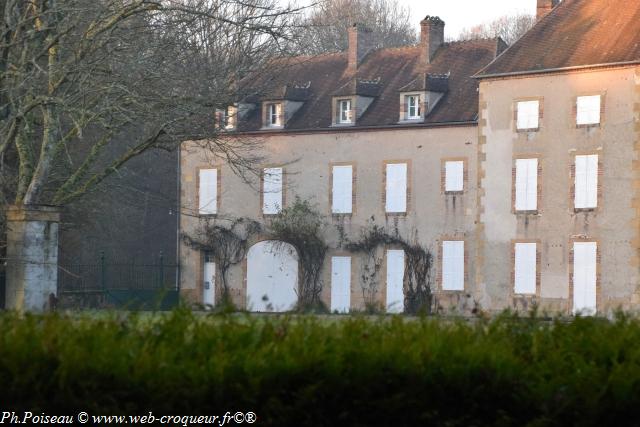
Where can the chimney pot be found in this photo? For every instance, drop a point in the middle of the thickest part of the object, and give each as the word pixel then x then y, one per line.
pixel 431 37
pixel 360 44
pixel 545 7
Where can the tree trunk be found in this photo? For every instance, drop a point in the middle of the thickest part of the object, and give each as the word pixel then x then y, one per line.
pixel 32 258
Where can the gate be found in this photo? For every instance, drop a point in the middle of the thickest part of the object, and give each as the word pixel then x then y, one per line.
pixel 121 285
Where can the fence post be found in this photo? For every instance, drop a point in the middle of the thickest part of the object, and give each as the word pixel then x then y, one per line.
pixel 161 269
pixel 103 272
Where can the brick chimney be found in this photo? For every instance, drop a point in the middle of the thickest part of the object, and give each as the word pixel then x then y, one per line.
pixel 431 37
pixel 545 7
pixel 360 43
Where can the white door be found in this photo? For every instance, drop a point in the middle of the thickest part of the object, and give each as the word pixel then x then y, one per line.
pixel 584 277
pixel 272 277
pixel 340 284
pixel 395 281
pixel 209 286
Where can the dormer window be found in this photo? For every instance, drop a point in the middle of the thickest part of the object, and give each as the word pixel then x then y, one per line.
pixel 345 112
pixel 274 115
pixel 413 107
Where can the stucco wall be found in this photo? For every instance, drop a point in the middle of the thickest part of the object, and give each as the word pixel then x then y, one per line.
pixel 614 224
pixel 307 159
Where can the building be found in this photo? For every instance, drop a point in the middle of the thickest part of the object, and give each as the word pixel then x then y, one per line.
pixel 516 168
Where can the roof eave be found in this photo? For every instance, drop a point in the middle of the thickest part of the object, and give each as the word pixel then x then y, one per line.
pixel 557 70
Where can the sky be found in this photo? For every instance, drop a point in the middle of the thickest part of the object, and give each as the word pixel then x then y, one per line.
pixel 459 14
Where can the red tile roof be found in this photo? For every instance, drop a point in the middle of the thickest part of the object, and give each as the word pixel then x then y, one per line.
pixel 395 68
pixel 576 33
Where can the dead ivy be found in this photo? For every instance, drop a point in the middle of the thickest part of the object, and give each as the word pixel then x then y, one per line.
pixel 227 245
pixel 418 263
pixel 302 226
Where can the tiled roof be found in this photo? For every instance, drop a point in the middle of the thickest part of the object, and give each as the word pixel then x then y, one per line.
pixel 576 33
pixel 395 68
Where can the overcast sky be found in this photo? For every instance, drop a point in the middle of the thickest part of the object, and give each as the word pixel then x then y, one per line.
pixel 459 14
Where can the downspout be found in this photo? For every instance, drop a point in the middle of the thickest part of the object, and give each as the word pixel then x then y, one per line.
pixel 178 213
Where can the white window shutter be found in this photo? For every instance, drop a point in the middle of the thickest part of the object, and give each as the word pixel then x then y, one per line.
pixel 454 176
pixel 208 192
pixel 396 188
pixel 584 277
pixel 528 115
pixel 342 189
pixel 272 190
pixel 340 284
pixel 588 110
pixel 526 184
pixel 395 281
pixel 586 181
pixel 453 265
pixel 525 268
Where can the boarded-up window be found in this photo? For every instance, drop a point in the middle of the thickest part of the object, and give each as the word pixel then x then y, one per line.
pixel 209 282
pixel 528 115
pixel 453 265
pixel 208 191
pixel 525 268
pixel 584 277
pixel 454 176
pixel 396 188
pixel 342 190
pixel 272 191
pixel 526 184
pixel 395 281
pixel 586 184
pixel 588 110
pixel 340 284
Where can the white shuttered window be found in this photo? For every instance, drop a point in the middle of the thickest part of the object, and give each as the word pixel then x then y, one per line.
pixel 396 188
pixel 340 284
pixel 454 176
pixel 453 265
pixel 272 191
pixel 528 115
pixel 584 277
pixel 586 184
pixel 588 110
pixel 342 190
pixel 395 281
pixel 525 268
pixel 526 184
pixel 208 192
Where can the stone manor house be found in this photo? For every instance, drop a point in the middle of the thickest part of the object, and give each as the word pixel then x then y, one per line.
pixel 518 167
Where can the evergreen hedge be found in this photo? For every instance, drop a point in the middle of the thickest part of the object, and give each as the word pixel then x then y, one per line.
pixel 311 371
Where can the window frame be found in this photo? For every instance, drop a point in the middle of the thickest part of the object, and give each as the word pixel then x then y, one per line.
pixel 516 114
pixel 417 106
pixel 385 186
pixel 218 186
pixel 572 267
pixel 441 262
pixel 332 166
pixel 514 187
pixel 262 190
pixel 574 181
pixel 537 265
pixel 576 109
pixel 274 109
pixel 349 112
pixel 401 308
pixel 445 174
pixel 350 277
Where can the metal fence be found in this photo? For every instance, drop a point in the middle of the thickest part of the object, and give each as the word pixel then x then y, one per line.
pixel 119 284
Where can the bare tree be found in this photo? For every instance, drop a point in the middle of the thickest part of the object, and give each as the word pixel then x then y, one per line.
pixel 324 28
pixel 509 27
pixel 88 85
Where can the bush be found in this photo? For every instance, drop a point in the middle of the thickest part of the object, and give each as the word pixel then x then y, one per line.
pixel 310 371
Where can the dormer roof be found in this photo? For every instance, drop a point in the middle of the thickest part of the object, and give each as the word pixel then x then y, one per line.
pixel 426 82
pixel 289 92
pixel 362 87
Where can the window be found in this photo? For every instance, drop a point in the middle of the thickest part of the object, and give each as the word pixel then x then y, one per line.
pixel 396 188
pixel 413 107
pixel 395 281
pixel 525 268
pixel 453 265
pixel 342 189
pixel 272 191
pixel 209 280
pixel 588 110
pixel 454 176
pixel 528 115
pixel 585 277
pixel 344 111
pixel 231 114
pixel 208 191
pixel 586 182
pixel 274 115
pixel 526 185
pixel 340 284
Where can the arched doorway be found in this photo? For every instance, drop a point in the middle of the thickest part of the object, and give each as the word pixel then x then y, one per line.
pixel 272 276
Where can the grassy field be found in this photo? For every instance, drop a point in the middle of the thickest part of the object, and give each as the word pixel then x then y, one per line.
pixel 307 371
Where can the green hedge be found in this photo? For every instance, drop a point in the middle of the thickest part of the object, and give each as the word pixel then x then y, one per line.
pixel 303 371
